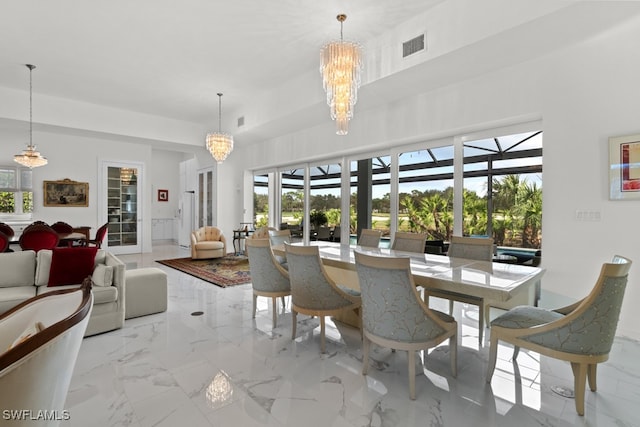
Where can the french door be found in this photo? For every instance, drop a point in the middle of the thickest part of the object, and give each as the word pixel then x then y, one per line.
pixel 120 205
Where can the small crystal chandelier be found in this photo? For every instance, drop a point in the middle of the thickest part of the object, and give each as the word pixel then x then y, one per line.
pixel 30 157
pixel 219 144
pixel 340 66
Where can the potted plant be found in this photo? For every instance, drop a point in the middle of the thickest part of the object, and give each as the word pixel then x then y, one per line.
pixel 317 218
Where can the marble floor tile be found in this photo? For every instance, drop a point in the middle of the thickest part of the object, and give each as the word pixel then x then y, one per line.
pixel 225 368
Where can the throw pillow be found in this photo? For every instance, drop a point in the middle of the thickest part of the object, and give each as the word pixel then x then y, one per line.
pixel 69 266
pixel 28 333
pixel 102 275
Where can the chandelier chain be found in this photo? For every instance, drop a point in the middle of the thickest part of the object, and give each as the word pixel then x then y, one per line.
pixel 31 67
pixel 219 112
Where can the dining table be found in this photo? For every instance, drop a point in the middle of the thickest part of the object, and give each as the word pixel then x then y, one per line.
pixel 497 281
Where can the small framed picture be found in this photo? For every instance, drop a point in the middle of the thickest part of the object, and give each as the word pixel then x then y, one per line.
pixel 624 167
pixel 163 195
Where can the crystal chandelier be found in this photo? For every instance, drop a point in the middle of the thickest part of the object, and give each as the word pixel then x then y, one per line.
pixel 340 66
pixel 219 144
pixel 30 157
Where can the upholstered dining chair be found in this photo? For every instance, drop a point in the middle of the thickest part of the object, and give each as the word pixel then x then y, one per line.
pixel 262 233
pixel 394 315
pixel 268 278
pixel 34 223
pixel 37 237
pixel 409 242
pixel 4 242
pixel 7 230
pixel 278 238
pixel 40 340
pixel 98 239
pixel 62 227
pixel 313 292
pixel 475 248
pixel 369 238
pixel 581 333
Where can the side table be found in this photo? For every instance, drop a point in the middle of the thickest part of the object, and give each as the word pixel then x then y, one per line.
pixel 239 236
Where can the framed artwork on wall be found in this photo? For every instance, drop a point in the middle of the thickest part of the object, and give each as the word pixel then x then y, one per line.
pixel 66 193
pixel 163 195
pixel 624 167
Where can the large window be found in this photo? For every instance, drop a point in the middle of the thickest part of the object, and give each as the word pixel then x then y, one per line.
pixel 370 203
pixel 260 200
pixel 16 194
pixel 425 192
pixel 472 185
pixel 292 197
pixel 503 189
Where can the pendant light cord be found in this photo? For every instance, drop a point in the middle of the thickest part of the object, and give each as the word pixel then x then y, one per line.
pixel 31 67
pixel 219 113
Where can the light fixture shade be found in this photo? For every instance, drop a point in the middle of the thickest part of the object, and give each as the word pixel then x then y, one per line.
pixel 30 158
pixel 220 145
pixel 341 68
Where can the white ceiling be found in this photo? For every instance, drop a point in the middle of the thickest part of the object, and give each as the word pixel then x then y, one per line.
pixel 169 58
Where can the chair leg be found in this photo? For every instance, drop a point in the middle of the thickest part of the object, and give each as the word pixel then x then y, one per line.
pixel 450 306
pixel 487 315
pixel 579 384
pixel 412 373
pixel 284 305
pixel 322 346
pixel 493 355
pixel 480 323
pixel 295 323
pixel 274 304
pixel 255 304
pixel 366 346
pixel 516 351
pixel 591 375
pixel 453 348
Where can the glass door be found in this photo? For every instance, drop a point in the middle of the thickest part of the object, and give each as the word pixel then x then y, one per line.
pixel 205 198
pixel 123 208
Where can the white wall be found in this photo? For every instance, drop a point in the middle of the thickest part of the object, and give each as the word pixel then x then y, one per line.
pixel 164 174
pixel 76 157
pixel 583 94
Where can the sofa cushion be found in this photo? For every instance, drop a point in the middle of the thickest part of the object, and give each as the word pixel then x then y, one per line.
pixel 101 295
pixel 102 275
pixel 43 265
pixel 209 245
pixel 10 297
pixel 18 268
pixel 69 266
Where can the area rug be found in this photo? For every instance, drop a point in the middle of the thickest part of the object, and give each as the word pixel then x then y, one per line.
pixel 227 271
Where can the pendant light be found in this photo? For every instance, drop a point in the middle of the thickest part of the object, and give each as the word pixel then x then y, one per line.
pixel 30 157
pixel 219 144
pixel 341 66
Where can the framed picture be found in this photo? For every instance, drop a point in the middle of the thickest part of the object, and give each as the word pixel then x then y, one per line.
pixel 66 193
pixel 624 167
pixel 163 195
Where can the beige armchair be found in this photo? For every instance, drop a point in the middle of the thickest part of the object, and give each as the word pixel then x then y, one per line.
pixel 208 242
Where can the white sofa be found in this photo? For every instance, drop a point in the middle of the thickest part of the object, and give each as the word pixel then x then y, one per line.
pixel 26 274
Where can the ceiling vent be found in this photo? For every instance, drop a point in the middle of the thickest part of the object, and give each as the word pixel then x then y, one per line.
pixel 240 121
pixel 415 45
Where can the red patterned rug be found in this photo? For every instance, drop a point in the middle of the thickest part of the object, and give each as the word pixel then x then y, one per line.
pixel 227 271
